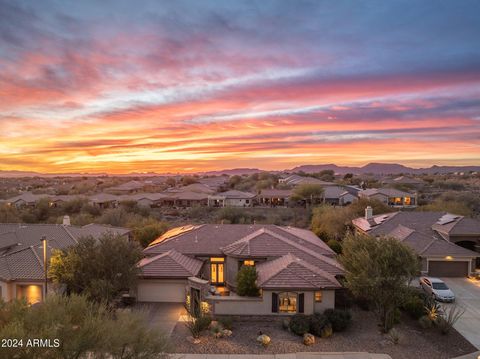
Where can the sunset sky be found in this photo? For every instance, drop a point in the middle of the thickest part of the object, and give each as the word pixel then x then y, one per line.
pixel 182 86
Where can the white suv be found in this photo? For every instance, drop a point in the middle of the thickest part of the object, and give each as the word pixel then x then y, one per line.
pixel 437 289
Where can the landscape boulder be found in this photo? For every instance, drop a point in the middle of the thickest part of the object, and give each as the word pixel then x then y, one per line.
pixel 308 339
pixel 264 339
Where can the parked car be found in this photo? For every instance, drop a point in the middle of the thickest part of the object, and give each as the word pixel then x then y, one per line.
pixel 437 289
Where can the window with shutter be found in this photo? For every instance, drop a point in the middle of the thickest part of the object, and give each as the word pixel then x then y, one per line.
pixel 301 302
pixel 274 303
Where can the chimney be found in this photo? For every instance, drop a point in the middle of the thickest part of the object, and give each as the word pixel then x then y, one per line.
pixel 66 220
pixel 368 213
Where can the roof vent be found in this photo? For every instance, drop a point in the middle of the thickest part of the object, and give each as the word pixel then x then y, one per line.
pixel 368 213
pixel 66 220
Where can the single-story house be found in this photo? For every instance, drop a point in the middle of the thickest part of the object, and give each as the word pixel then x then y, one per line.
pixel 274 197
pixel 232 198
pixel 194 187
pixel 441 254
pixel 104 200
pixel 21 254
pixel 337 195
pixel 26 199
pixel 198 265
pixel 128 187
pixel 391 197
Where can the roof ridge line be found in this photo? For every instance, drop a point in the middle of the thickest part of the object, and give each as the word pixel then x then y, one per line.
pixel 38 258
pixel 69 233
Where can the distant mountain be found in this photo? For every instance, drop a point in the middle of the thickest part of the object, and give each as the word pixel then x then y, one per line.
pixel 233 172
pixel 18 174
pixel 384 168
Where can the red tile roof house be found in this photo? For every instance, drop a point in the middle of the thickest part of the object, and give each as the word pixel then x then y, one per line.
pixel 297 271
pixel 391 197
pixel 447 244
pixel 21 254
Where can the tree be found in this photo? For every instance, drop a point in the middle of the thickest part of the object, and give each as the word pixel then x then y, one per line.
pixel 379 270
pixel 187 180
pixel 9 214
pixel 246 281
pixel 311 193
pixel 145 234
pixel 101 268
pixel 82 328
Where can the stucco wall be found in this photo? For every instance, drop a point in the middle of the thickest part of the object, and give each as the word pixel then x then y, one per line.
pixel 263 306
pixel 234 202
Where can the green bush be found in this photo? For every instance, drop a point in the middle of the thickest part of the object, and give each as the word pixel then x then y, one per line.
pixel 300 324
pixel 317 323
pixel 340 319
pixel 335 245
pixel 415 307
pixel 246 282
pixel 226 322
pixel 425 322
pixel 327 331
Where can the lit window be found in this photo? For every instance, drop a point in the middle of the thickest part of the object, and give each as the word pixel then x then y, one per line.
pixel 248 263
pixel 407 201
pixel 318 297
pixel 287 302
pixel 217 260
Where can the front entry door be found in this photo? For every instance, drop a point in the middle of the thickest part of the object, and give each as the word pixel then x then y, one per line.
pixel 217 273
pixel 195 304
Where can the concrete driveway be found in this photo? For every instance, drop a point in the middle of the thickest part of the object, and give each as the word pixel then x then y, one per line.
pixel 467 294
pixel 163 315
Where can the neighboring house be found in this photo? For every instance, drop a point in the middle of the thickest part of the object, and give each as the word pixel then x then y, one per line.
pixel 295 180
pixel 337 195
pixel 189 199
pixel 58 200
pixel 104 200
pixel 391 197
pixel 198 265
pixel 274 197
pixel 443 241
pixel 21 254
pixel 232 198
pixel 214 183
pixel 149 200
pixel 26 199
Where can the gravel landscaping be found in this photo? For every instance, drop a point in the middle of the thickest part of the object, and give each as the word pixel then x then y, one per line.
pixel 363 335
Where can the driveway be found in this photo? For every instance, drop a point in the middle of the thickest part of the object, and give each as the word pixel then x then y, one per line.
pixel 467 293
pixel 163 315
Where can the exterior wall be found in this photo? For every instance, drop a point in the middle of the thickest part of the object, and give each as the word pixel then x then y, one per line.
pixel 231 271
pixel 4 291
pixel 347 198
pixel 238 202
pixel 263 305
pixel 328 301
pixel 161 290
pixel 424 265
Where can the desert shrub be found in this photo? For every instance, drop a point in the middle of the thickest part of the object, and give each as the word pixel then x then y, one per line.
pixel 196 325
pixel 327 331
pixel 394 336
pixel 299 324
pixel 286 323
pixel 449 317
pixel 226 322
pixel 246 282
pixel 415 307
pixel 363 303
pixel 425 322
pixel 335 245
pixel 317 323
pixel 340 319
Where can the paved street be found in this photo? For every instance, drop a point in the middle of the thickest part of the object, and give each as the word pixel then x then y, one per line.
pixel 312 355
pixel 467 294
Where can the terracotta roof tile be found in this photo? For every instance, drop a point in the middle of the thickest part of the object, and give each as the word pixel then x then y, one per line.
pixel 171 264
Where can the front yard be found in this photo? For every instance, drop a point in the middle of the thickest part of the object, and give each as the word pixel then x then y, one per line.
pixel 362 335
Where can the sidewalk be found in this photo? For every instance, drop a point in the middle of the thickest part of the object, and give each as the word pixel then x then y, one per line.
pixel 309 355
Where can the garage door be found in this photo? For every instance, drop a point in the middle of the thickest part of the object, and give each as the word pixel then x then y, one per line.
pixel 161 291
pixel 447 269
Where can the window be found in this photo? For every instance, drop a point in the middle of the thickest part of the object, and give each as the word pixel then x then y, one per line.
pixel 248 262
pixel 407 201
pixel 216 269
pixel 318 297
pixel 32 293
pixel 287 302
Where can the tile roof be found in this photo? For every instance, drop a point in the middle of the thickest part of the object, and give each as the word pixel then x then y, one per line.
pixel 291 272
pixel 103 198
pixel 389 192
pixel 170 264
pixel 28 197
pixel 21 248
pixel 418 230
pixel 194 187
pixel 455 225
